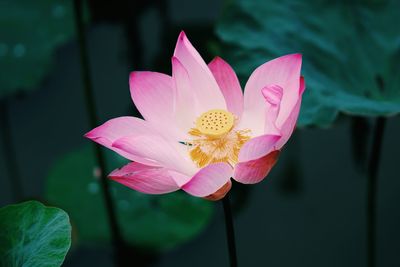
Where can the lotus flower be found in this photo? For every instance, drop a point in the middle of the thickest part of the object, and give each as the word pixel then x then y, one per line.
pixel 199 130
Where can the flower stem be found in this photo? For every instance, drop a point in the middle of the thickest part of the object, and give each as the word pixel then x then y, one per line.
pixel 372 190
pixel 9 151
pixel 230 233
pixel 91 109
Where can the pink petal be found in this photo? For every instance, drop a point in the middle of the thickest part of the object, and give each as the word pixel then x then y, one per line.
pixel 202 81
pixel 179 178
pixel 170 155
pixel 288 126
pixel 273 96
pixel 302 86
pixel 284 72
pixel 220 193
pixel 145 179
pixel 153 95
pixel 209 179
pixel 258 147
pixel 114 129
pixel 254 171
pixel 185 102
pixel 229 85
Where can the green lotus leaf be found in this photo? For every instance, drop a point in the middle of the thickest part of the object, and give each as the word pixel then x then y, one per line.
pixel 33 235
pixel 351 51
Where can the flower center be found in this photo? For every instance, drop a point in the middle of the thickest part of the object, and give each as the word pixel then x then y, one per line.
pixel 215 139
pixel 215 123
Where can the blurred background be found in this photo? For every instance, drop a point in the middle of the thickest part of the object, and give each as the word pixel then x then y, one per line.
pixel 311 209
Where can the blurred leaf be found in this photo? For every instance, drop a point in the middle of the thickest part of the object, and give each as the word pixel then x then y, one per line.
pixel 33 235
pixel 154 222
pixel 351 51
pixel 30 32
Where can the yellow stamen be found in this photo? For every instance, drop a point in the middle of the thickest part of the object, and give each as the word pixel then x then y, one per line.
pixel 215 123
pixel 215 139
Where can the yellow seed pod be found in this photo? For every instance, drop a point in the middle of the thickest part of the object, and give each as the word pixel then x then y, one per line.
pixel 215 122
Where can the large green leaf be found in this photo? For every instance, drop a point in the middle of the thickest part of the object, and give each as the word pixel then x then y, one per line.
pixel 351 51
pixel 33 235
pixel 30 32
pixel 154 222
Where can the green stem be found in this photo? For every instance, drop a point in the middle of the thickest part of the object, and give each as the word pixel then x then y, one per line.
pixel 93 119
pixel 372 190
pixel 230 233
pixel 9 151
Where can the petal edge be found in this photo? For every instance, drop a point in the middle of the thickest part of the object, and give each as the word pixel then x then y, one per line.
pixel 229 85
pixel 254 171
pixel 209 179
pixel 145 179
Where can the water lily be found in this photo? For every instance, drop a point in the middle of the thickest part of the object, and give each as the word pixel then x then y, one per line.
pixel 199 130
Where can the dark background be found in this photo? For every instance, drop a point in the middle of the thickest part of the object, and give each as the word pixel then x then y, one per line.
pixel 310 211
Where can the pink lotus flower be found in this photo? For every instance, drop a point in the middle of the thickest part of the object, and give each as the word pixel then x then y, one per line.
pixel 199 130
